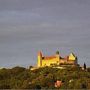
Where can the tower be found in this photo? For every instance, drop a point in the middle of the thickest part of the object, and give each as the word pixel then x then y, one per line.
pixel 57 54
pixel 39 59
pixel 57 57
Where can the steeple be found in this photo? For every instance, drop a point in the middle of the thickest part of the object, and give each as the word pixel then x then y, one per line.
pixel 57 55
pixel 57 52
pixel 40 53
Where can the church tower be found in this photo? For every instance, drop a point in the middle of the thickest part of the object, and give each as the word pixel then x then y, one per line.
pixel 39 59
pixel 57 57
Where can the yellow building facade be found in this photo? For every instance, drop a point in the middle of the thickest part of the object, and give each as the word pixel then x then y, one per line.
pixel 55 60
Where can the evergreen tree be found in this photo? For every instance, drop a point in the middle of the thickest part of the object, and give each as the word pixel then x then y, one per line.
pixel 84 66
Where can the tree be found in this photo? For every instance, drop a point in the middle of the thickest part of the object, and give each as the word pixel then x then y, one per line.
pixel 30 67
pixel 84 66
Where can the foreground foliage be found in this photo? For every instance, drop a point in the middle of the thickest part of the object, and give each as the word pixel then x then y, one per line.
pixel 44 78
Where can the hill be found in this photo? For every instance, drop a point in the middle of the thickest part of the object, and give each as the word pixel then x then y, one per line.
pixel 45 78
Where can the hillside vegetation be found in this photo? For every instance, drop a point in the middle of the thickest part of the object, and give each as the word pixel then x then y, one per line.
pixel 44 78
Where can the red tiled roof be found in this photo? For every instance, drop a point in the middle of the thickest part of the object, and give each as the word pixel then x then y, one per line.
pixel 50 57
pixel 66 57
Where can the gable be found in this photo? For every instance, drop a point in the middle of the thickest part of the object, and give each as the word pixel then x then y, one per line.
pixel 72 57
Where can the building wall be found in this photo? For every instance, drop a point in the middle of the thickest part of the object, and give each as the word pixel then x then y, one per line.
pixel 71 62
pixel 50 61
pixel 72 57
pixel 62 61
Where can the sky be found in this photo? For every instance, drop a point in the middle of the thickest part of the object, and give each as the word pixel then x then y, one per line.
pixel 29 26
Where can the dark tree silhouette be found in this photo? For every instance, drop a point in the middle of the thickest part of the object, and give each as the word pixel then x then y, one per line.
pixel 84 66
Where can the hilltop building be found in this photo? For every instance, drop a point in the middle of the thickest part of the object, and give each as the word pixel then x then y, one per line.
pixel 56 60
